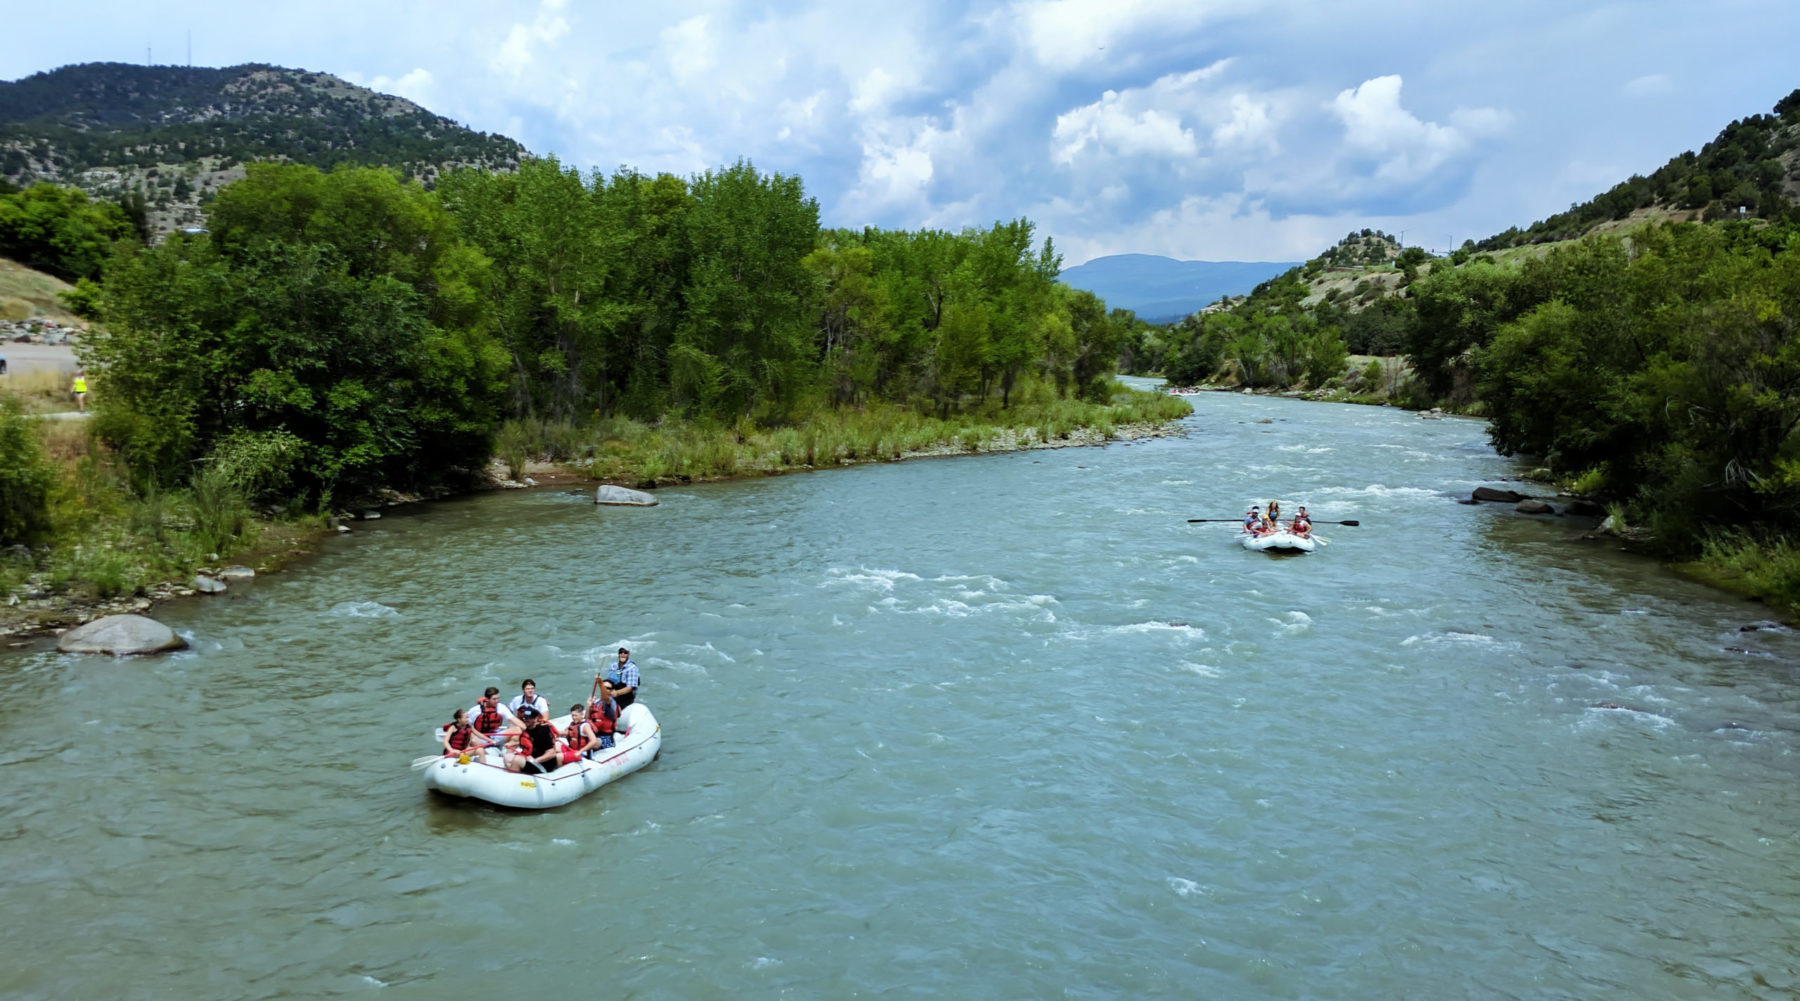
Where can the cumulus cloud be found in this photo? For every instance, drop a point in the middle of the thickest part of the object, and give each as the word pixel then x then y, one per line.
pixel 1065 35
pixel 1110 126
pixel 517 53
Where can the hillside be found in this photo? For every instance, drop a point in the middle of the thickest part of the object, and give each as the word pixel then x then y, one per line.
pixel 1752 169
pixel 1160 289
pixel 27 295
pixel 167 137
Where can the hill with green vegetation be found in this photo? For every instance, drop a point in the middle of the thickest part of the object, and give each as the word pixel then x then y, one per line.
pixel 1751 170
pixel 162 140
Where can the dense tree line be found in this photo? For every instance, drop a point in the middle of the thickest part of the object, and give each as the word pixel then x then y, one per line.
pixel 333 333
pixel 60 230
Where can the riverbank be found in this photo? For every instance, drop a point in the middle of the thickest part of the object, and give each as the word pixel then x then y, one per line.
pixel 1766 571
pixel 115 553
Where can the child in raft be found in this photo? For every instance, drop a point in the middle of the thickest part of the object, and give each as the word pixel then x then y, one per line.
pixel 461 737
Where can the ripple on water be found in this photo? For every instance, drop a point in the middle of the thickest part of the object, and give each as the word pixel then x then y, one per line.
pixel 363 610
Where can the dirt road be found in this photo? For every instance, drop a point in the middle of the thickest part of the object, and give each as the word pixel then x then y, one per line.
pixel 22 359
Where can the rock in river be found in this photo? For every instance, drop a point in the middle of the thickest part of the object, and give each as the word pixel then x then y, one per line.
pixel 609 494
pixel 1499 496
pixel 121 635
pixel 1533 507
pixel 207 585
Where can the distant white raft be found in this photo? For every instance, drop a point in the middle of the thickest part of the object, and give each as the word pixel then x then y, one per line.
pixel 637 742
pixel 1279 540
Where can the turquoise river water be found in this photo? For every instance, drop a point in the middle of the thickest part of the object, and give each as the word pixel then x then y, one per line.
pixel 995 726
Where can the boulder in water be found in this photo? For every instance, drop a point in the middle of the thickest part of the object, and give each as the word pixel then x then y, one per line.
pixel 237 573
pixel 207 585
pixel 609 494
pixel 121 636
pixel 1497 496
pixel 1584 508
pixel 1533 507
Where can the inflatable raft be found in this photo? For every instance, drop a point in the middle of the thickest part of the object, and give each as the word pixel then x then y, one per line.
pixel 1279 541
pixel 636 743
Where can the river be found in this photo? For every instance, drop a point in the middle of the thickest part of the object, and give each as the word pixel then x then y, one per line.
pixel 995 726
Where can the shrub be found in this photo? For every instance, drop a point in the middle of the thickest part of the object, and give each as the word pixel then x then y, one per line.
pixel 25 477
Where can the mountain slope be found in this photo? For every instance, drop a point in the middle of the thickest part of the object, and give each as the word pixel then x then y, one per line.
pixel 1158 289
pixel 171 135
pixel 1751 168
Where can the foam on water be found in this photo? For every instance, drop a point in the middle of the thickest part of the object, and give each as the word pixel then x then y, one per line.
pixel 363 610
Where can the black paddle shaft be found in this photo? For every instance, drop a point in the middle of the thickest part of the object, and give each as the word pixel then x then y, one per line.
pixel 1352 523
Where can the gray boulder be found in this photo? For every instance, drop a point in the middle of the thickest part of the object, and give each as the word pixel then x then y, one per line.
pixel 207 585
pixel 121 635
pixel 1497 496
pixel 1584 508
pixel 237 573
pixel 609 494
pixel 1533 507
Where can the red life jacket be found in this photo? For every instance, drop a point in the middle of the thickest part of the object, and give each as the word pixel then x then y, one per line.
pixel 461 739
pixel 574 737
pixel 489 720
pixel 602 719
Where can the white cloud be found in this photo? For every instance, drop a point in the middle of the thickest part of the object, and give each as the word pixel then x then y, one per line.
pixel 415 86
pixel 515 55
pixel 1406 148
pixel 1251 126
pixel 1109 125
pixel 896 170
pixel 690 48
pixel 1654 85
pixel 1066 35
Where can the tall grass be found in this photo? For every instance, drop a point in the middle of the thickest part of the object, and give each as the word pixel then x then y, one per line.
pixel 98 537
pixel 676 450
pixel 1760 568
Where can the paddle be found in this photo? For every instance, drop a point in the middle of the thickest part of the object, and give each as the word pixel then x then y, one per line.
pixel 1240 521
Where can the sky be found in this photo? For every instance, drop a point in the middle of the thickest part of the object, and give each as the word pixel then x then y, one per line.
pixel 1195 129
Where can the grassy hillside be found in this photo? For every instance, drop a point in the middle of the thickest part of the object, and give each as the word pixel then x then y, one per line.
pixel 25 294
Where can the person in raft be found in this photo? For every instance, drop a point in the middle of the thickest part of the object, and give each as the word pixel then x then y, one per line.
pixel 487 715
pixel 538 751
pixel 624 679
pixel 1253 519
pixel 462 737
pixel 1302 522
pixel 1275 515
pixel 579 738
pixel 603 716
pixel 528 696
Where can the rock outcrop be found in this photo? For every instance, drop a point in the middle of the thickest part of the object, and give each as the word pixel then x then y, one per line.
pixel 121 636
pixel 1533 507
pixel 1496 495
pixel 609 494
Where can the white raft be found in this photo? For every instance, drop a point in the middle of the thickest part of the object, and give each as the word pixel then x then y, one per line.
pixel 636 743
pixel 1278 540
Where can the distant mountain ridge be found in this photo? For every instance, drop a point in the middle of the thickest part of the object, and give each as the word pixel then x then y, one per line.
pixel 1160 289
pixel 171 135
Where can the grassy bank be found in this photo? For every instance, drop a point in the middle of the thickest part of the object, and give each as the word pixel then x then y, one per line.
pixel 635 454
pixel 84 537
pixel 1767 570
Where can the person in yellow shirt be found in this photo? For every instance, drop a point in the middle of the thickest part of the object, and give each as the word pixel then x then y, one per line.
pixel 79 386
